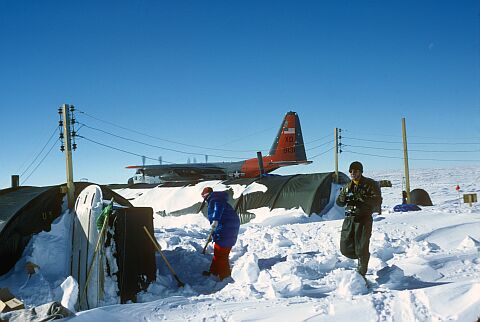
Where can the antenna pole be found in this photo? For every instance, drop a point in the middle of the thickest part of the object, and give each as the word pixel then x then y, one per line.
pixel 68 155
pixel 336 154
pixel 405 160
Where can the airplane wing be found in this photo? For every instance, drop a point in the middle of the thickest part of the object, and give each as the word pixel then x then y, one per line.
pixel 201 167
pixel 285 163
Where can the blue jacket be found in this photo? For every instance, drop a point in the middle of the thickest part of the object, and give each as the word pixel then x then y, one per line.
pixel 228 222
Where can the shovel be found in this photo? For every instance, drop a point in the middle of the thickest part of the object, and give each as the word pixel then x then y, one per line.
pixel 159 249
pixel 209 239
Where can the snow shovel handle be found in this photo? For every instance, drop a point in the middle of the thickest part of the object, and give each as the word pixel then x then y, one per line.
pixel 159 249
pixel 209 239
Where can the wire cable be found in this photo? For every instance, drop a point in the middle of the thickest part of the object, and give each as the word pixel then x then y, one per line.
pixel 416 159
pixel 165 140
pixel 368 140
pixel 39 153
pixel 190 145
pixel 413 136
pixel 322 138
pixel 372 155
pixel 369 133
pixel 169 149
pixel 41 161
pixel 322 153
pixel 424 143
pixel 414 150
pixel 157 146
pixel 318 146
pixel 118 149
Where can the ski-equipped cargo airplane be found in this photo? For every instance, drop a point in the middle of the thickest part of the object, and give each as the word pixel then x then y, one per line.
pixel 287 149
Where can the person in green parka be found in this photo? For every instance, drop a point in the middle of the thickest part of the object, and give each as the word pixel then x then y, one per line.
pixel 360 197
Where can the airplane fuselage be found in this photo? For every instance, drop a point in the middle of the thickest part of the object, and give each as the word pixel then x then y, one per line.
pixel 201 171
pixel 287 149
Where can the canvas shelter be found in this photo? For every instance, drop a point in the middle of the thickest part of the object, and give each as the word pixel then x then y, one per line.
pixel 25 211
pixel 420 197
pixel 311 192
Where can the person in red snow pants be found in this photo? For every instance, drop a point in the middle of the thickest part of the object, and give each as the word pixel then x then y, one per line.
pixel 220 265
pixel 225 224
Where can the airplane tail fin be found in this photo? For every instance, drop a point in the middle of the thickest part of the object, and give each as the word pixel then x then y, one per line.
pixel 288 147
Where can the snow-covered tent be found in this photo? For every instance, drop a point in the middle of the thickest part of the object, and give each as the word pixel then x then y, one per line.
pixel 311 192
pixel 420 197
pixel 25 211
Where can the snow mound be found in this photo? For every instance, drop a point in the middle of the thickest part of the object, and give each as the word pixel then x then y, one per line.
pixel 469 242
pixel 246 269
pixel 70 293
pixel 349 283
pixel 280 216
pixel 390 276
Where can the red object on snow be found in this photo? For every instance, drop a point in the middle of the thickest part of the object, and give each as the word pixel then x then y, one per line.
pixel 220 265
pixel 457 188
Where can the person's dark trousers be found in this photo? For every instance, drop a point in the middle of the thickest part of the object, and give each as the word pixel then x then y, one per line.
pixel 355 240
pixel 220 265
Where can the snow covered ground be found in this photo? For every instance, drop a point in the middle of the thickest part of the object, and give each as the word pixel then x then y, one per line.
pixel 425 265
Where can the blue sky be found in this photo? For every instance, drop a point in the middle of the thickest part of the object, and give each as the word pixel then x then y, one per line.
pixel 222 74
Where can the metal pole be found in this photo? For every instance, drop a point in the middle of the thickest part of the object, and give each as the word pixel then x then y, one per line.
pixel 68 156
pixel 405 160
pixel 336 154
pixel 15 180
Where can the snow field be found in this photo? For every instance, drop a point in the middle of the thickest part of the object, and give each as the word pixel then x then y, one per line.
pixel 286 266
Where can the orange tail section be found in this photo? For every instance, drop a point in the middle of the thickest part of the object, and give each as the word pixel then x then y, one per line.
pixel 287 148
pixel 288 145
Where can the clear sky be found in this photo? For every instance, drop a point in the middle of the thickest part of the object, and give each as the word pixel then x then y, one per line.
pixel 222 74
